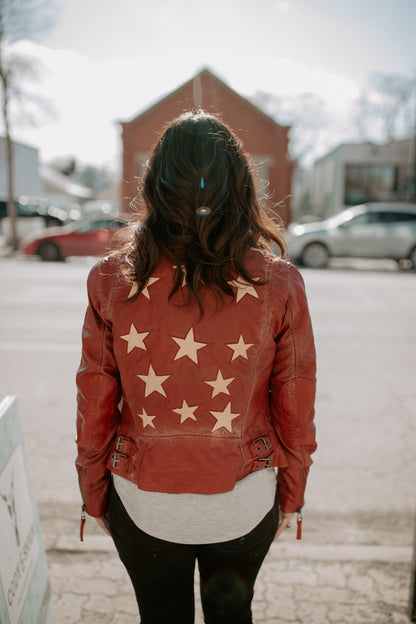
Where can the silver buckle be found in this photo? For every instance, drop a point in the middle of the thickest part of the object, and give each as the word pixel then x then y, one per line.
pixel 259 448
pixel 115 458
pixel 119 441
pixel 267 461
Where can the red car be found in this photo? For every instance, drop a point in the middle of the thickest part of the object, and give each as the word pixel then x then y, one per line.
pixel 90 237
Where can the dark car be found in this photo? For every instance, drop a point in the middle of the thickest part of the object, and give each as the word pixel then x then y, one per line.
pixel 379 230
pixel 91 237
pixel 51 215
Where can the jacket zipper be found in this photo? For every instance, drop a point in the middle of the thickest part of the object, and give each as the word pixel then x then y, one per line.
pixel 83 509
pixel 83 519
pixel 299 524
pixel 299 510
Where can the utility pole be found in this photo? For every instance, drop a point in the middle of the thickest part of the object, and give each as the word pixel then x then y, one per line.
pixel 413 195
pixel 5 91
pixel 11 206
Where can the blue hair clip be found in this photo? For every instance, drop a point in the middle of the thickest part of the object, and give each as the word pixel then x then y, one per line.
pixel 202 183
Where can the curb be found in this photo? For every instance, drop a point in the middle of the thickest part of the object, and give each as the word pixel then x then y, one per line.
pixel 318 552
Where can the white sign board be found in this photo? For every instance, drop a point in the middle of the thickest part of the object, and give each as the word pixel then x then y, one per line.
pixel 25 592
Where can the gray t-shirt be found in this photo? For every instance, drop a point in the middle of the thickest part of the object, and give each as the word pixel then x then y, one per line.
pixel 200 518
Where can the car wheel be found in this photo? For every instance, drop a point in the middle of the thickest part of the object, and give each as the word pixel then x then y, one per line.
pixel 315 256
pixel 49 252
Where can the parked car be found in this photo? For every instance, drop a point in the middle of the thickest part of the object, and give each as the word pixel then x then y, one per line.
pixel 90 237
pixel 51 215
pixel 32 215
pixel 379 230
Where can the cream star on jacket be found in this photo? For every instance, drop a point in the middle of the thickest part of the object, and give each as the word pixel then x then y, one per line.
pixel 224 419
pixel 186 411
pixel 145 290
pixel 133 290
pixel 135 339
pixel 147 420
pixel 188 346
pixel 149 282
pixel 220 384
pixel 153 382
pixel 244 288
pixel 240 348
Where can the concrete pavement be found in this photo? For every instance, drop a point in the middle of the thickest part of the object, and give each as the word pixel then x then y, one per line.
pixel 300 583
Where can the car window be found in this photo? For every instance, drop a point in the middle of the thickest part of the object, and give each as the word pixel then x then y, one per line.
pixel 91 226
pixel 22 210
pixel 395 216
pixel 360 219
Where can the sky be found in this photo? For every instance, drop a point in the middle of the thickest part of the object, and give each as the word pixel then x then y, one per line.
pixel 105 61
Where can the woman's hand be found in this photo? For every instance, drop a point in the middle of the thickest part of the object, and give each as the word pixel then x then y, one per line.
pixel 103 523
pixel 284 522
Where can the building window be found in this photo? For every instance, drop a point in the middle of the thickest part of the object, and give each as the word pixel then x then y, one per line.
pixel 365 183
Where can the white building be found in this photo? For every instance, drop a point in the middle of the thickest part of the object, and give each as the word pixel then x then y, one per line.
pixel 26 171
pixel 352 174
pixel 61 191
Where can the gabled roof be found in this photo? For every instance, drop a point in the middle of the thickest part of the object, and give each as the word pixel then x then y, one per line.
pixel 204 74
pixel 19 144
pixel 63 183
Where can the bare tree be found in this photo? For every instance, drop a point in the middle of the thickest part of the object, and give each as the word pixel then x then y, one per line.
pixel 363 112
pixel 395 93
pixel 19 19
pixel 385 110
pixel 305 114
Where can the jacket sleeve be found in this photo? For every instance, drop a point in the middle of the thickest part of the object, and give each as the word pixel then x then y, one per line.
pixel 98 398
pixel 292 393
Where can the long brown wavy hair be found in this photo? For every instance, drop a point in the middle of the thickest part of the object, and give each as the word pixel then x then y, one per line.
pixel 199 206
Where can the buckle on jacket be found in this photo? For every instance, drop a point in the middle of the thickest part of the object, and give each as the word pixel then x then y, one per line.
pixel 266 461
pixel 262 445
pixel 115 458
pixel 127 445
pixel 119 441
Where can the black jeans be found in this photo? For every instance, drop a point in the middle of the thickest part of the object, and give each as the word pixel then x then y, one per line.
pixel 162 572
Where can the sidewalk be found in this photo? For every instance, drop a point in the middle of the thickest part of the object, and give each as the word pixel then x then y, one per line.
pixel 300 583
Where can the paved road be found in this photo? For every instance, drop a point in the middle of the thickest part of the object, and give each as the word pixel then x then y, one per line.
pixel 361 488
pixel 365 329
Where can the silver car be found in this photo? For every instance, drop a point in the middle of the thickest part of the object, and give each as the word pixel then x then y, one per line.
pixel 379 230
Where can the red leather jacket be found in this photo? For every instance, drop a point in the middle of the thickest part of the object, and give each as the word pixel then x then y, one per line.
pixel 179 403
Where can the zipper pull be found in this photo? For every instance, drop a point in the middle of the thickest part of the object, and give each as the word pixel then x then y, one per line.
pixel 299 524
pixel 83 519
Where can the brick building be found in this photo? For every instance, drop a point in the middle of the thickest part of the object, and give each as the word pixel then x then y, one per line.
pixel 264 139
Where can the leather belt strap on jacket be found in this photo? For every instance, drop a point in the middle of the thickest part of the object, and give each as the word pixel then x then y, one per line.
pixel 121 457
pixel 261 452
